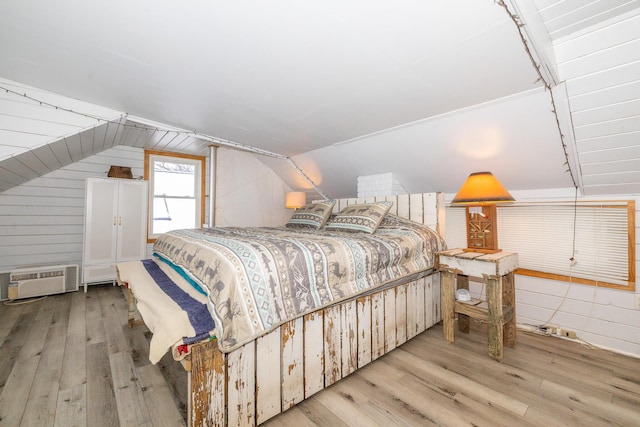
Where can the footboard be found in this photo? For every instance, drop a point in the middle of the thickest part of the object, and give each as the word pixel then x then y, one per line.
pixel 273 373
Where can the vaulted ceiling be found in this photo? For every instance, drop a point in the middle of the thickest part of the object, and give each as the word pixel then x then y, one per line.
pixel 348 88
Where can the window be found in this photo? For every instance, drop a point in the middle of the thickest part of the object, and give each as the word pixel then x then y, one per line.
pixel 542 234
pixel 176 196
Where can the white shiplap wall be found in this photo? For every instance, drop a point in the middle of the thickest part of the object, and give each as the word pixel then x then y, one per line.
pixel 605 317
pixel 601 68
pixel 566 17
pixel 42 220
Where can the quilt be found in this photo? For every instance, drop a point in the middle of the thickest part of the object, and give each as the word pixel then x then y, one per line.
pixel 255 279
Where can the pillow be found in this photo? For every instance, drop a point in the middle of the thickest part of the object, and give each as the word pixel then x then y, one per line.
pixel 313 215
pixel 362 217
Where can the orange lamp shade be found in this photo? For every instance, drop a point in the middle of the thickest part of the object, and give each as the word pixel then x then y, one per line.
pixel 480 193
pixel 482 188
pixel 295 199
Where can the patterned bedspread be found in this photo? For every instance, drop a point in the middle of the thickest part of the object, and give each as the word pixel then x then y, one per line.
pixel 258 278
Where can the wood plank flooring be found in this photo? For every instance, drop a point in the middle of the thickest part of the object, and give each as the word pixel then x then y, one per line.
pixel 544 381
pixel 71 360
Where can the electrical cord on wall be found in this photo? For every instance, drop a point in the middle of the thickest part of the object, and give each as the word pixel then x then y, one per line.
pixel 572 260
pixel 564 297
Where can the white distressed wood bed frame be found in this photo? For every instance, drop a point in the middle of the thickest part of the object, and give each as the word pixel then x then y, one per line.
pixel 301 357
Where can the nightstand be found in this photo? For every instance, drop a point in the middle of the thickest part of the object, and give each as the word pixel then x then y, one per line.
pixel 499 310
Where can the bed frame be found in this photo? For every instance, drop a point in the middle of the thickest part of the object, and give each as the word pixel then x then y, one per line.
pixel 303 356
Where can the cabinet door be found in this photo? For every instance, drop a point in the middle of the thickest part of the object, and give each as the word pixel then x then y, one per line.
pixel 100 221
pixel 132 220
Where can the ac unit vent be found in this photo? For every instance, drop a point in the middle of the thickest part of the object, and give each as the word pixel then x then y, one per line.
pixel 21 277
pixel 17 277
pixel 54 273
pixel 38 281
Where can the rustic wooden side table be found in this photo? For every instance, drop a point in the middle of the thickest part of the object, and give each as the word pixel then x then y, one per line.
pixel 499 310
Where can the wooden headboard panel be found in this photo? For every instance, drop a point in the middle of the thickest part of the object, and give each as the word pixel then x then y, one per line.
pixel 425 208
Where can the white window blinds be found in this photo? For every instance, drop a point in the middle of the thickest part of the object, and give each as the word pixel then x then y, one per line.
pixel 543 236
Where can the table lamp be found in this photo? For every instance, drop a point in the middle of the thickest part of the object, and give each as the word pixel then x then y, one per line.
pixel 295 199
pixel 480 193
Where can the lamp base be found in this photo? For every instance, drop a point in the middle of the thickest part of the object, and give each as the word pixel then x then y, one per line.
pixel 484 251
pixel 482 229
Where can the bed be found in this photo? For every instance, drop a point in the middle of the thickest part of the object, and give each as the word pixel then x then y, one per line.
pixel 255 349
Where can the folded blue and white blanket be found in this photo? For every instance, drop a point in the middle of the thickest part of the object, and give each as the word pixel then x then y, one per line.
pixel 172 308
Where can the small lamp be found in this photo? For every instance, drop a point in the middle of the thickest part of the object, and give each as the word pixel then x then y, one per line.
pixel 295 199
pixel 480 193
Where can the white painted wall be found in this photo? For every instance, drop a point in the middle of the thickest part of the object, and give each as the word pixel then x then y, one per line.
pixel 604 317
pixel 248 193
pixel 601 316
pixel 380 184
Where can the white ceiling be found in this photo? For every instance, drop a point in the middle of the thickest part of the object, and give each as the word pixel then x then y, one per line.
pixel 285 75
pixel 307 78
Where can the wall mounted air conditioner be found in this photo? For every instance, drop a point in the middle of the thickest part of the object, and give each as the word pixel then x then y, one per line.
pixel 38 281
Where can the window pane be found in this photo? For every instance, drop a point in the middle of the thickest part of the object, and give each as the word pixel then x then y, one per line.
pixel 174 179
pixel 171 214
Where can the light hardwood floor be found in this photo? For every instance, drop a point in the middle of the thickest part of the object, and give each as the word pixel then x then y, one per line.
pixel 70 360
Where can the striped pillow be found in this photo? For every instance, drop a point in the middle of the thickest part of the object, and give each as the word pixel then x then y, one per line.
pixel 361 217
pixel 313 215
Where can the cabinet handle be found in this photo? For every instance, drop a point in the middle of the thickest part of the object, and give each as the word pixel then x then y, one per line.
pixel 114 220
pixel 120 221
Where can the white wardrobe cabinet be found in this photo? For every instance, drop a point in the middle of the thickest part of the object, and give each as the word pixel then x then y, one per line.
pixel 115 226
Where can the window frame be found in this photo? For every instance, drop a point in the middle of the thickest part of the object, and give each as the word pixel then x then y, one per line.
pixel 201 195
